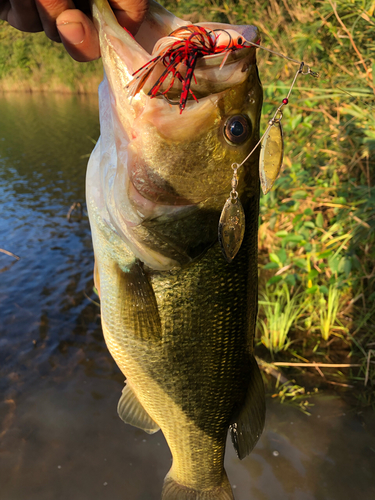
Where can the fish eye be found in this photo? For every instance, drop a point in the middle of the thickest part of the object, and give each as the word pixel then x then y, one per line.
pixel 237 129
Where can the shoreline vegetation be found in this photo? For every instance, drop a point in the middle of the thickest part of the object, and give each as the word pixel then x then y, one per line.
pixel 87 86
pixel 30 62
pixel 317 225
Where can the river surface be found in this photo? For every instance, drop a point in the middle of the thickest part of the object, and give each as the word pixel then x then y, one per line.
pixel 60 436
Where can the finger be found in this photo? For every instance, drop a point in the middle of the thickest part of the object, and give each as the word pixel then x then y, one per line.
pixel 13 12
pixel 49 10
pixel 130 13
pixel 78 34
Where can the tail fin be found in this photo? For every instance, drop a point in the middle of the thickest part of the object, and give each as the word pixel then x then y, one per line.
pixel 175 491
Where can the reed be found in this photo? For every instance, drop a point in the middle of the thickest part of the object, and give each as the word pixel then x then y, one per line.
pixel 279 312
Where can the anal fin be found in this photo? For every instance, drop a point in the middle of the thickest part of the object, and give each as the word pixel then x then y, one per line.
pixel 132 412
pixel 249 424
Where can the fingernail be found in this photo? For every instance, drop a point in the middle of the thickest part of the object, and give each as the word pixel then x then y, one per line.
pixel 73 33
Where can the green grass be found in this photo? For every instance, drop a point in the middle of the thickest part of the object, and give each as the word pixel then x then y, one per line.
pixel 328 310
pixel 278 313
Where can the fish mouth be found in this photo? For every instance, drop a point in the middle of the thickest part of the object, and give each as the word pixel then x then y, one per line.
pixel 211 75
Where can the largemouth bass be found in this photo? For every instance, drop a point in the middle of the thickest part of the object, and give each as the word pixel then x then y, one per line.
pixel 178 319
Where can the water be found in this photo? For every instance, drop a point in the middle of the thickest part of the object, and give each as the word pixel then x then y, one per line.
pixel 60 436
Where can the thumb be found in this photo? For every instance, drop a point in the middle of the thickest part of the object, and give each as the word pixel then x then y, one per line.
pixel 78 34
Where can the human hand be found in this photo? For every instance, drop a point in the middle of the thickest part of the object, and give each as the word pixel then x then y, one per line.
pixel 62 21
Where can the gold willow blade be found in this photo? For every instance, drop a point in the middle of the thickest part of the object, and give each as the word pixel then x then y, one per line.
pixel 232 222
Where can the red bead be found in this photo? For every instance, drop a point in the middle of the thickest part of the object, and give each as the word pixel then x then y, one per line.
pixel 285 101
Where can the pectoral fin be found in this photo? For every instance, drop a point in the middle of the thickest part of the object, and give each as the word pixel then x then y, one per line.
pixel 132 412
pixel 249 423
pixel 138 308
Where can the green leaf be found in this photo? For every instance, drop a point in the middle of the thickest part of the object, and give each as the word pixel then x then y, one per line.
pixel 294 238
pixel 319 221
pixel 271 265
pixel 341 265
pixel 348 267
pixel 324 289
pixel 305 232
pixel 281 234
pixel 274 258
pixel 282 255
pixel 356 262
pixel 301 263
pixel 286 207
pixel 309 224
pixel 345 265
pixel 297 218
pixel 326 254
pixel 296 120
pixel 340 199
pixel 307 125
pixel 312 274
pixel 335 178
pixel 334 263
pixel 308 211
pixel 318 192
pixel 290 279
pixel 299 195
pixel 274 279
pixel 312 290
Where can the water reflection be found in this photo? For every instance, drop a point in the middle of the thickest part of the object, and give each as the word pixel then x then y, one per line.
pixel 60 436
pixel 44 143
